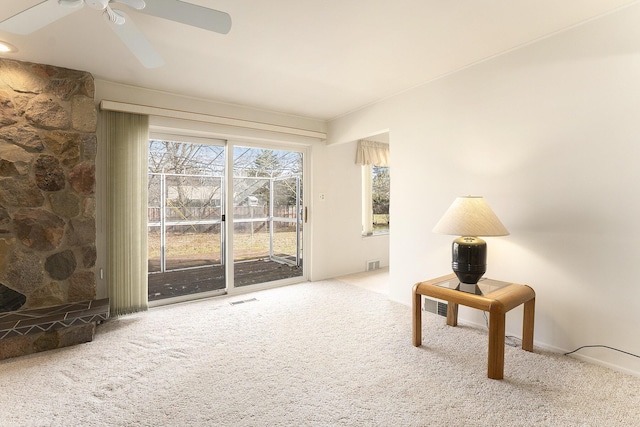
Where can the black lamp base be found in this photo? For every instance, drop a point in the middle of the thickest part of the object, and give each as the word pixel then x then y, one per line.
pixel 469 259
pixel 469 288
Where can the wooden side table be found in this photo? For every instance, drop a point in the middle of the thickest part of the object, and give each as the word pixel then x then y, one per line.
pixel 489 295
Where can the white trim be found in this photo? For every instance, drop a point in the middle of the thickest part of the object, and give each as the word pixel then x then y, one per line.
pixel 206 118
pixel 367 200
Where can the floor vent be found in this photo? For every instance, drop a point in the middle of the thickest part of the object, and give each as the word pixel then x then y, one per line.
pixel 243 301
pixel 436 307
pixel 373 265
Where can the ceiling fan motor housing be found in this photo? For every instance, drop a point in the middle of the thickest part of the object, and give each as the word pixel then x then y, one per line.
pixel 97 4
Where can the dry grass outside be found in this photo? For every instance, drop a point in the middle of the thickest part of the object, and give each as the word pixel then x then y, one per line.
pixel 245 245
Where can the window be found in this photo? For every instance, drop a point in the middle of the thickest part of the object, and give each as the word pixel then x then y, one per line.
pixel 380 198
pixel 375 199
pixel 374 158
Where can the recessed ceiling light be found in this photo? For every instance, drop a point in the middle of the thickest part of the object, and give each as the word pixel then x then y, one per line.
pixel 7 47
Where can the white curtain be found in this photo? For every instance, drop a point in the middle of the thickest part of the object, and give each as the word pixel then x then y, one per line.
pixel 372 153
pixel 126 137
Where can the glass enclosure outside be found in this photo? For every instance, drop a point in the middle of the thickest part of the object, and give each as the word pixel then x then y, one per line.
pixel 267 198
pixel 186 214
pixel 185 208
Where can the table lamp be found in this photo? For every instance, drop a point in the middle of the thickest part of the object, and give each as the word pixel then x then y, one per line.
pixel 470 217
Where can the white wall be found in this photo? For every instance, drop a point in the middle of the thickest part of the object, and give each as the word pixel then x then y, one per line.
pixel 339 247
pixel 550 135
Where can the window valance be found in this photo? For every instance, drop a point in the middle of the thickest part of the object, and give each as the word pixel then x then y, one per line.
pixel 372 153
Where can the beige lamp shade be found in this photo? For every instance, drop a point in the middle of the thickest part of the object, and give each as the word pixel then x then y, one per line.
pixel 470 216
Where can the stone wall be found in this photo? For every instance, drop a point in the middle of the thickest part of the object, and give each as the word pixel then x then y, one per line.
pixel 47 180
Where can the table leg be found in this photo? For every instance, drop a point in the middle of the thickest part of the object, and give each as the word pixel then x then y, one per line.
pixel 452 314
pixel 527 324
pixel 417 318
pixel 495 368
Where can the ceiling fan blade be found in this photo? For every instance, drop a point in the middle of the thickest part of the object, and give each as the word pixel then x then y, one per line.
pixel 190 14
pixel 137 43
pixel 38 16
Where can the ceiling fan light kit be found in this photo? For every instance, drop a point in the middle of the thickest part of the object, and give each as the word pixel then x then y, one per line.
pixel 48 11
pixel 114 16
pixel 103 4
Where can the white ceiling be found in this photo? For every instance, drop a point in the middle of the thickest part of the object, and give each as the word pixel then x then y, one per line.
pixel 318 59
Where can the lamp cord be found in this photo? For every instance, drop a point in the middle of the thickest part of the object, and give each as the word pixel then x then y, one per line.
pixel 602 346
pixel 512 342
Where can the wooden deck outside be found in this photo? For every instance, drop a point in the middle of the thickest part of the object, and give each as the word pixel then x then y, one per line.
pixel 196 280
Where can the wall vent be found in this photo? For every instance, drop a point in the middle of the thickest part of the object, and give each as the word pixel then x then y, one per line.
pixel 434 306
pixel 373 265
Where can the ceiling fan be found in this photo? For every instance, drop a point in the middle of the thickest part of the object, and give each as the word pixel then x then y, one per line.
pixel 49 11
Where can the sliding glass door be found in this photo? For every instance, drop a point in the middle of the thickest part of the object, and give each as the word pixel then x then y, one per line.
pixel 185 218
pixel 196 207
pixel 267 215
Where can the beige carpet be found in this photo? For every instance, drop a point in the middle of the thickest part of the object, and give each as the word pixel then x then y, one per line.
pixel 314 354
